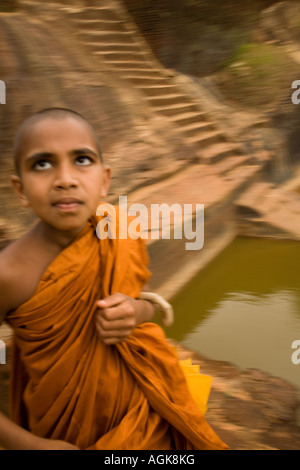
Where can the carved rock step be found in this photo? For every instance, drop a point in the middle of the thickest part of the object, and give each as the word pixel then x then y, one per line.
pixel 103 13
pixel 118 30
pixel 105 37
pixel 100 48
pixel 189 118
pixel 177 110
pixel 274 225
pixel 205 139
pixel 168 99
pixel 101 25
pixel 255 195
pixel 198 128
pixel 159 90
pixel 243 174
pixel 122 56
pixel 104 3
pixel 282 205
pixel 146 80
pixel 270 210
pixel 147 73
pixel 125 67
pixel 199 185
pixel 230 163
pixel 220 151
pixel 52 3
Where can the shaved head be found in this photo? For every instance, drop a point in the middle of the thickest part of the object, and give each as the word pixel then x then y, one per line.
pixel 49 113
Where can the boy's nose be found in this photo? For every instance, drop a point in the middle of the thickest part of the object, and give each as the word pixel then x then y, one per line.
pixel 65 178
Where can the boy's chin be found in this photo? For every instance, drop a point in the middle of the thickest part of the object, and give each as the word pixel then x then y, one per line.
pixel 67 225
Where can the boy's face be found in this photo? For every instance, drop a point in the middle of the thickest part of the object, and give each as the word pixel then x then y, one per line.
pixel 61 175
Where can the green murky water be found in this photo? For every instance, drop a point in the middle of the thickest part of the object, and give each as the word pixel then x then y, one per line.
pixel 245 307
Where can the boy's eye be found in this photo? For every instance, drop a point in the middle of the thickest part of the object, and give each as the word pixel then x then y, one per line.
pixel 84 161
pixel 42 165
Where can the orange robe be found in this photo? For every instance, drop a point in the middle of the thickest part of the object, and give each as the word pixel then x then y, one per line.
pixel 66 384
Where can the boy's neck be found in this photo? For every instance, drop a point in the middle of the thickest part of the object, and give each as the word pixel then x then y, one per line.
pixel 58 239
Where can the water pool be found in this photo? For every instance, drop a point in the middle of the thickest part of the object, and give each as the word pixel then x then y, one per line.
pixel 244 307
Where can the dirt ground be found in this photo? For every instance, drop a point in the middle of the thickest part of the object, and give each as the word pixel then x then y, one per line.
pixel 249 409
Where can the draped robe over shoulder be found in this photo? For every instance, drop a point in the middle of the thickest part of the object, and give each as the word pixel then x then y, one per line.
pixel 66 384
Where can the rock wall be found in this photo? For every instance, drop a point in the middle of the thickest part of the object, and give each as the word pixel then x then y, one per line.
pixel 198 38
pixel 194 37
pixel 44 65
pixel 8 5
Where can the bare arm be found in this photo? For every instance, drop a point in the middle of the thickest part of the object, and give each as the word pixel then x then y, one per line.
pixel 146 310
pixel 4 302
pixel 12 436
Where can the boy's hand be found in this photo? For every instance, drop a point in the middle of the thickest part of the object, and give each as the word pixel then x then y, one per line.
pixel 118 315
pixel 13 437
pixel 49 444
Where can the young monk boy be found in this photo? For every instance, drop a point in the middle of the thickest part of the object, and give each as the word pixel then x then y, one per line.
pixel 89 370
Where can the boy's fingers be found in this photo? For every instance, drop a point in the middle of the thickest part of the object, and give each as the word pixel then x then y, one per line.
pixel 111 341
pixel 106 336
pixel 113 336
pixel 116 325
pixel 120 312
pixel 115 319
pixel 112 300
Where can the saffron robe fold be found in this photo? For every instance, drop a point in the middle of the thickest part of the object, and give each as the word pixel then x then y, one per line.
pixel 66 384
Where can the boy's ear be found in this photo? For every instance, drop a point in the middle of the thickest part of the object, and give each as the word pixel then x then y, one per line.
pixel 18 189
pixel 106 180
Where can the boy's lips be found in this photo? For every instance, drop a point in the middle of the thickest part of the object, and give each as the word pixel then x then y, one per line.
pixel 67 204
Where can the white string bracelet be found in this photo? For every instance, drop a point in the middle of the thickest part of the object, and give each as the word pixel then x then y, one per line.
pixel 161 304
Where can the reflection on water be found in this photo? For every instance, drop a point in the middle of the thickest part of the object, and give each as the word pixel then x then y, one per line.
pixel 245 307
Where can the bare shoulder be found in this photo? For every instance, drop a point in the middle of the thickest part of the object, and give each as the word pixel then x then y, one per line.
pixel 13 262
pixel 6 283
pixel 22 264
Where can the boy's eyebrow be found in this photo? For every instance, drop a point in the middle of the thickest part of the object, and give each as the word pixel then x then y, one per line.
pixel 36 156
pixel 84 150
pixel 75 152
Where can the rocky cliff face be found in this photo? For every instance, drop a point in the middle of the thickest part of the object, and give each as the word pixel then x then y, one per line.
pixel 95 60
pixel 196 36
pixel 247 57
pixel 44 64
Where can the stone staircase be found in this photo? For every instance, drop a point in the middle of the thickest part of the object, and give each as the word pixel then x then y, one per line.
pixel 111 39
pixel 111 36
pixel 268 211
pixel 219 175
